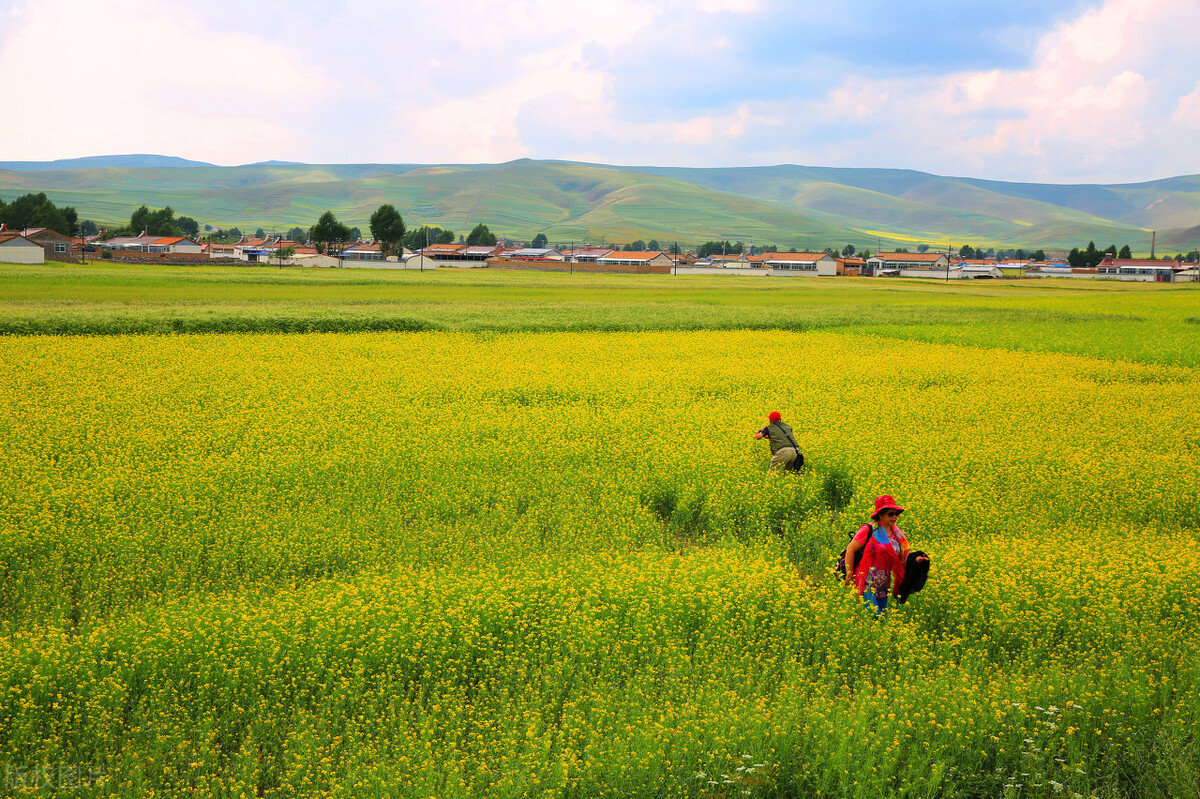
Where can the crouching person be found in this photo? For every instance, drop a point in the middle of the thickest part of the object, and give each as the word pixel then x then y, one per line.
pixel 785 454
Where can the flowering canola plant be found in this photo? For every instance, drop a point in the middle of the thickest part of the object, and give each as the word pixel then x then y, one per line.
pixel 525 564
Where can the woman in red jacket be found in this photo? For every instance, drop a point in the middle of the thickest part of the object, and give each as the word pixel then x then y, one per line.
pixel 885 552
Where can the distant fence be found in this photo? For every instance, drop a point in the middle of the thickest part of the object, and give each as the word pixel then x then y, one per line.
pixel 137 257
pixel 566 266
pixel 721 270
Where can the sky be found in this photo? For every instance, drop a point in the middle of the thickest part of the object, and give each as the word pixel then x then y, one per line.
pixel 1065 91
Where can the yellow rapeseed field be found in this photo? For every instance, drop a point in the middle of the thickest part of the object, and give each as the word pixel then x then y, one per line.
pixel 553 564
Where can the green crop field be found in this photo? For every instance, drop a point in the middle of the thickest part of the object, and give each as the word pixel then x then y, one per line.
pixel 358 533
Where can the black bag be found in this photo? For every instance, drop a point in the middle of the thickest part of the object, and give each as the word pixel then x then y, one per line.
pixel 841 561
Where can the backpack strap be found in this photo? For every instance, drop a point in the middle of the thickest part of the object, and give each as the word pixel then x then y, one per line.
pixel 791 440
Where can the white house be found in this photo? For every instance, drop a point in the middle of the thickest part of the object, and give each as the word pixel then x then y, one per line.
pixel 897 263
pixel 798 263
pixel 173 244
pixel 1139 269
pixel 16 249
pixel 587 255
pixel 424 262
pixel 652 258
pixel 312 259
pixel 537 254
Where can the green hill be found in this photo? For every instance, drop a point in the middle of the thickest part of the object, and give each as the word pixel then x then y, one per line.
pixel 792 206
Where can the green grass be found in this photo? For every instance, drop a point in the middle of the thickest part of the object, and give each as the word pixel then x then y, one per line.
pixel 1124 321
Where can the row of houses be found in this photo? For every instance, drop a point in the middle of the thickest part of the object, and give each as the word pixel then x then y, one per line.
pixel 36 245
pixel 33 245
pixel 153 245
pixel 885 264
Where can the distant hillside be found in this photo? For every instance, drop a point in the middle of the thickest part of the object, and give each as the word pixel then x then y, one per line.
pixel 791 206
pixel 918 206
pixel 101 161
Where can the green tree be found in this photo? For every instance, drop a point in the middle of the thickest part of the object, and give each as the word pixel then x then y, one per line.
pixel 160 222
pixel 416 239
pixel 190 227
pixel 1037 255
pixel 297 234
pixel 636 246
pixel 234 233
pixel 848 250
pixel 481 236
pixel 35 210
pixel 72 217
pixel 88 227
pixel 328 231
pixel 540 241
pixel 387 226
pixel 865 254
pixel 717 248
pixel 922 248
pixel 1125 252
pixel 652 245
pixel 284 253
pixel 260 234
pixel 966 251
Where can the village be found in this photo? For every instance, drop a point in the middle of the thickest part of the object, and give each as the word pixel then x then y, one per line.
pixel 38 245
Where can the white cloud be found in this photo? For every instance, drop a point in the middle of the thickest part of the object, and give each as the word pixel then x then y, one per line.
pixel 537 61
pixel 1109 95
pixel 730 6
pixel 484 127
pixel 153 79
pixel 1102 100
pixel 1187 110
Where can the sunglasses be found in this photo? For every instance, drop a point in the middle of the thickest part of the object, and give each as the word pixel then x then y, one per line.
pixel 890 513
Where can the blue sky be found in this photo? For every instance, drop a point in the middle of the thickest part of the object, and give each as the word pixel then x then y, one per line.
pixel 1077 91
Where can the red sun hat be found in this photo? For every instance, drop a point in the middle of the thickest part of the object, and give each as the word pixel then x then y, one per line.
pixel 774 416
pixel 885 503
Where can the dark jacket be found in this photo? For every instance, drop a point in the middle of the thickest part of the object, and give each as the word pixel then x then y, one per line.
pixel 915 574
pixel 775 434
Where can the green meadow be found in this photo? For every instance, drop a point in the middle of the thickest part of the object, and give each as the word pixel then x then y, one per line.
pixel 1128 321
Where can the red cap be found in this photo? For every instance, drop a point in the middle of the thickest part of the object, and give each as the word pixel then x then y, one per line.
pixel 885 503
pixel 775 417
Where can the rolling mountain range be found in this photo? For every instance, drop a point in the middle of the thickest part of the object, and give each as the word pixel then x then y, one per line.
pixel 789 206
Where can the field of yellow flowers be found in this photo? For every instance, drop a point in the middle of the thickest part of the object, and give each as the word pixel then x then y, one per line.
pixel 552 564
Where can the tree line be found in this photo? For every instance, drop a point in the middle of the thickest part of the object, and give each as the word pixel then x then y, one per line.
pixel 1090 257
pixel 35 210
pixel 388 228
